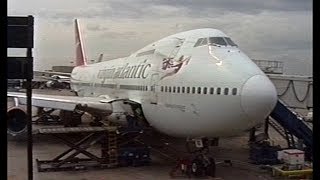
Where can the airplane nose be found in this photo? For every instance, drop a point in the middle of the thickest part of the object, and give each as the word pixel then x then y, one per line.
pixel 258 97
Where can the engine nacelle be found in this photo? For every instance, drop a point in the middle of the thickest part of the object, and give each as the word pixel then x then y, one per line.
pixel 17 121
pixel 49 84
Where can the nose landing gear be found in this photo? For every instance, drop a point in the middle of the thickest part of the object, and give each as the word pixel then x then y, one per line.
pixel 197 164
pixel 202 165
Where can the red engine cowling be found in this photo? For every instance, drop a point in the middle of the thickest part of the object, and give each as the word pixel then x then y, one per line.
pixel 17 122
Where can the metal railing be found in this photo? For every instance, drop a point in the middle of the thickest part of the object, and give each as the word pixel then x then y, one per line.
pixel 267 66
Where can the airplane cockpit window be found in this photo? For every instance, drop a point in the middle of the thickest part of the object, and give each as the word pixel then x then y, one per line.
pixel 198 42
pixel 217 41
pixel 204 41
pixel 230 42
pixel 201 42
pixel 223 41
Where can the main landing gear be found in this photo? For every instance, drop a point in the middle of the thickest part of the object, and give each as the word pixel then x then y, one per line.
pixel 198 163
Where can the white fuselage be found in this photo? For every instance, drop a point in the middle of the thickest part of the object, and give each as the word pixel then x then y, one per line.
pixel 185 91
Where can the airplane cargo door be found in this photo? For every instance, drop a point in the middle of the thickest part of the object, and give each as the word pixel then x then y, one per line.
pixel 154 88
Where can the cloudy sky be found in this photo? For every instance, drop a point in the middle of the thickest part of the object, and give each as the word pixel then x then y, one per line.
pixel 273 30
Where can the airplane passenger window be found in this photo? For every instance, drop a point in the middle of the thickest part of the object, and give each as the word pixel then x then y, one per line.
pixel 188 89
pixel 193 90
pixel 211 90
pixel 165 89
pixel 169 88
pixel 199 90
pixel 229 41
pixel 174 89
pixel 178 89
pixel 198 42
pixel 204 90
pixel 161 88
pixel 226 91
pixel 219 91
pixel 217 41
pixel 234 91
pixel 182 89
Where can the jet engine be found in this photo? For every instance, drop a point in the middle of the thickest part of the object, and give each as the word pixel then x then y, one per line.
pixel 50 84
pixel 17 122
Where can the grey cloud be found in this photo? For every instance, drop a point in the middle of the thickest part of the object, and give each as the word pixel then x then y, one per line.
pixel 96 27
pixel 138 9
pixel 119 35
pixel 236 5
pixel 202 8
pixel 279 30
pixel 67 14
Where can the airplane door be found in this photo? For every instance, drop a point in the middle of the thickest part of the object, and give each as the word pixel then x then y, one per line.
pixel 154 88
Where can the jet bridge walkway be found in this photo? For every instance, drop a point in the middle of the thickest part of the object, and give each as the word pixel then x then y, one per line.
pixel 293 124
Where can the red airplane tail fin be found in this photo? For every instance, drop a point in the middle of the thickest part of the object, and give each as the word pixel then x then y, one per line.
pixel 80 54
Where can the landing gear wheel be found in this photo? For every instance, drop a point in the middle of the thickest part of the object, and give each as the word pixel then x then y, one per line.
pixel 196 167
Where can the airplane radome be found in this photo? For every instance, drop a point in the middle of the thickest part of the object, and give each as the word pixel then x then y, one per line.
pixel 196 83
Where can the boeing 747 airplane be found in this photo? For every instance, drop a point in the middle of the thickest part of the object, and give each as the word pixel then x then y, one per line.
pixel 191 84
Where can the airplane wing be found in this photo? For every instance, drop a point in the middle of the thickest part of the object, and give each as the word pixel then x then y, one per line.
pixel 50 73
pixel 101 105
pixel 56 78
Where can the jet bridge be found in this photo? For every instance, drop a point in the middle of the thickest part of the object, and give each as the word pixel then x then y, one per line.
pixel 295 90
pixel 293 125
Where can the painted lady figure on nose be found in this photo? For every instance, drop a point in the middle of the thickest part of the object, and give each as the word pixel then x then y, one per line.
pixel 172 67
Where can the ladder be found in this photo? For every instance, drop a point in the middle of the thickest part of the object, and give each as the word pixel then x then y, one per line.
pixel 292 123
pixel 113 148
pixel 283 132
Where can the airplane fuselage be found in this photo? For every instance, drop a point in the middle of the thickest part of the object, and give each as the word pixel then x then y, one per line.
pixel 186 88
